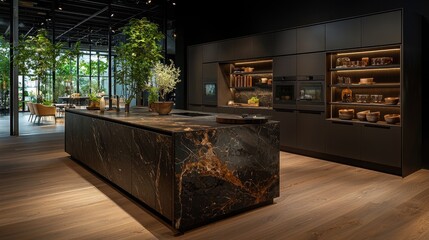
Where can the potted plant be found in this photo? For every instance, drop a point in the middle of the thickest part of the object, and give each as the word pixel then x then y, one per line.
pixel 136 57
pixel 153 97
pixel 94 101
pixel 166 77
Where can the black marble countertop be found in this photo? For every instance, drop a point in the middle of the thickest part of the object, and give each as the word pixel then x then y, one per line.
pixel 177 121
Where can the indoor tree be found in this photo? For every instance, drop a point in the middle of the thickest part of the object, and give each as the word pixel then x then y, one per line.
pixel 36 56
pixel 137 55
pixel 65 68
pixel 4 72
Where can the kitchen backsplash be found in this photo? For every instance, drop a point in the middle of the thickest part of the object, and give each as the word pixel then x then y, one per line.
pixel 264 96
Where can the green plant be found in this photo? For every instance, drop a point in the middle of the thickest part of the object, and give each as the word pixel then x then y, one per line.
pixel 166 77
pixel 93 97
pixel 153 95
pixel 37 54
pixel 47 102
pixel 4 69
pixel 137 56
pixel 65 69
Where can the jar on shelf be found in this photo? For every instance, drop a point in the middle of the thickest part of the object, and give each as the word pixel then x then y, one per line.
pixel 346 95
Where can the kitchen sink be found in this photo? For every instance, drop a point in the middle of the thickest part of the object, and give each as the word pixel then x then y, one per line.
pixel 191 114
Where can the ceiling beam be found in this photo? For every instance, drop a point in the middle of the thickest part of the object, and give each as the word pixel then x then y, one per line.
pixel 95 14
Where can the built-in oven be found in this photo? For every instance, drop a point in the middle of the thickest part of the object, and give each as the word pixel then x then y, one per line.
pixel 284 93
pixel 209 93
pixel 310 93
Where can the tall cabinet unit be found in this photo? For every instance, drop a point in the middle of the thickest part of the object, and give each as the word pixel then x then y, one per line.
pixel 364 93
pixel 347 90
pixel 372 97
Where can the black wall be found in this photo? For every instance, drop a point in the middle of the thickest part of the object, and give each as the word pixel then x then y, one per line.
pixel 223 19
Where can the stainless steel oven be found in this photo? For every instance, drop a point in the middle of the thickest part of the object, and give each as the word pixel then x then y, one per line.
pixel 284 93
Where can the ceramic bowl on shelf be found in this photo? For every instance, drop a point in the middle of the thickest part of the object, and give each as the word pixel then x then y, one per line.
pixel 373 116
pixel 362 115
pixel 392 118
pixel 391 100
pixel 366 81
pixel 346 114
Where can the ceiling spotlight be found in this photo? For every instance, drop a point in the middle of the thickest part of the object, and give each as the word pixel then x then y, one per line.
pixel 174 3
pixel 60 8
pixel 111 15
pixel 48 19
pixel 148 1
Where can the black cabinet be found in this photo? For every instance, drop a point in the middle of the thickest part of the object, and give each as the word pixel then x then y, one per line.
pixel 311 131
pixel 210 109
pixel 311 64
pixel 343 34
pixel 242 48
pixel 262 45
pixel 382 145
pixel 195 55
pixel 226 50
pixel 344 139
pixel 210 52
pixel 310 39
pixel 284 66
pixel 235 49
pixel 228 110
pixel 288 131
pixel 382 29
pixel 285 42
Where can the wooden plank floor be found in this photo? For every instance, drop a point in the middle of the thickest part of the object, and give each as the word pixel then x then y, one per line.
pixel 45 195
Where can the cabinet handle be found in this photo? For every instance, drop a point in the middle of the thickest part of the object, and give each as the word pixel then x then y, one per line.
pixel 310 112
pixel 284 110
pixel 343 123
pixel 377 126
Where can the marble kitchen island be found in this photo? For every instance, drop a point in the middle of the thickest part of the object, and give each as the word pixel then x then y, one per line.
pixel 185 167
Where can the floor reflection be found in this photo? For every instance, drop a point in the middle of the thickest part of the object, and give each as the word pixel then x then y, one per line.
pixel 47 125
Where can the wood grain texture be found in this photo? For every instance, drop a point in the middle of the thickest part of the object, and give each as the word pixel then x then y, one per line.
pixel 45 195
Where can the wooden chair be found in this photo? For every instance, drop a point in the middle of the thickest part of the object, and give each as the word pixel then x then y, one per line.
pixel 32 113
pixel 44 111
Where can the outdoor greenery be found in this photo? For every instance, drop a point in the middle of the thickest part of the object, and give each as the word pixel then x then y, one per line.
pixel 88 87
pixel 65 69
pixel 137 56
pixel 166 77
pixel 36 56
pixel 4 64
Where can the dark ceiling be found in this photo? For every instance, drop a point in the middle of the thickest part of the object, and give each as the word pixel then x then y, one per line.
pixel 84 20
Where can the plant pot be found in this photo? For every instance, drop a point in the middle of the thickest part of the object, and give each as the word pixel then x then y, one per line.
pixel 152 107
pixel 94 104
pixel 163 108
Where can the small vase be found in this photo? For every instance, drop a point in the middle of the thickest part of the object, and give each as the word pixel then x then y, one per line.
pixel 102 104
pixel 163 108
pixel 127 107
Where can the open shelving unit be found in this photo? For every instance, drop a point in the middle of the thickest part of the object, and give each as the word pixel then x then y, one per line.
pixel 386 82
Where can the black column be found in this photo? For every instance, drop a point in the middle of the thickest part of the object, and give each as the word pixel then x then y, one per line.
pixel 109 55
pixel 54 98
pixel 14 104
pixel 90 62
